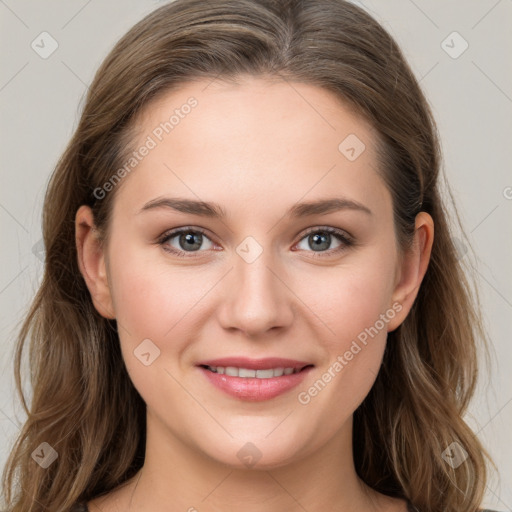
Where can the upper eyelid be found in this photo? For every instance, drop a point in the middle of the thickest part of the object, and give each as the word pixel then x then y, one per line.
pixel 171 233
pixel 339 231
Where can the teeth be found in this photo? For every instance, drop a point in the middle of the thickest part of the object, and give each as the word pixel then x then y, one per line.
pixel 232 371
pixel 263 374
pixel 242 372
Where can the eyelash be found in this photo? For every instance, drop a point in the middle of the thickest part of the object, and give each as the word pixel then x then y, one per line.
pixel 341 235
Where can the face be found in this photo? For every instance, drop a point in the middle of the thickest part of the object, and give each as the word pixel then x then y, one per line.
pixel 266 278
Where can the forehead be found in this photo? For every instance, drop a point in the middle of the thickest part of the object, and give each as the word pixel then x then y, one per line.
pixel 258 143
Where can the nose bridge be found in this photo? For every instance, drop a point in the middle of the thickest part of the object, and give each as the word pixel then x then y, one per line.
pixel 257 298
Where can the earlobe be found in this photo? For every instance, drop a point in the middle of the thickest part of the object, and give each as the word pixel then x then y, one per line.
pixel 92 263
pixel 412 268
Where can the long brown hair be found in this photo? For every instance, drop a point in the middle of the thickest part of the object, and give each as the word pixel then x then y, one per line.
pixel 84 404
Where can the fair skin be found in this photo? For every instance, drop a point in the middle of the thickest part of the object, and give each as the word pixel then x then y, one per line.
pixel 256 149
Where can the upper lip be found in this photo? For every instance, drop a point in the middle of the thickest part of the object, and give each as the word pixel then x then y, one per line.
pixel 256 364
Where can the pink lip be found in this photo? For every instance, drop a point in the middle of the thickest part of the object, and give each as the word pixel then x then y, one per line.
pixel 254 389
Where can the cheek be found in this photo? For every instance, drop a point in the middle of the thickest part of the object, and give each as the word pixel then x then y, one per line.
pixel 153 306
pixel 350 298
pixel 156 303
pixel 150 299
pixel 354 303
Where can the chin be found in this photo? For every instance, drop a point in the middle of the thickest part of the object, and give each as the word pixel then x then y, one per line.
pixel 259 454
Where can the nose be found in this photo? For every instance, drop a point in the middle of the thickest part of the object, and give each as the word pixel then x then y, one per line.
pixel 255 297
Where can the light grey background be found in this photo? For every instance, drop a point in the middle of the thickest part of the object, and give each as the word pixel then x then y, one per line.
pixel 471 96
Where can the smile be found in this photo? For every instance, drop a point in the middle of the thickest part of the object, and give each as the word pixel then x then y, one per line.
pixel 254 380
pixel 233 371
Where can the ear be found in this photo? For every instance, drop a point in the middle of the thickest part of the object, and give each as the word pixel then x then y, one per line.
pixel 411 268
pixel 91 261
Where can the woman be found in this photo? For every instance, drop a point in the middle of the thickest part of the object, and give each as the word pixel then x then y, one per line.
pixel 244 303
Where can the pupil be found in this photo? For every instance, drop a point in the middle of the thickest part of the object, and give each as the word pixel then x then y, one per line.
pixel 189 238
pixel 320 239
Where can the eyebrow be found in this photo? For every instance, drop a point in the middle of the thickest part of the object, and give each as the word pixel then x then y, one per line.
pixel 215 211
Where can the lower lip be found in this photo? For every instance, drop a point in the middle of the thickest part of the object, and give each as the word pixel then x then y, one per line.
pixel 253 389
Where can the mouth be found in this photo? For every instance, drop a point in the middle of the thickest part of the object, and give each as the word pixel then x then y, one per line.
pixel 246 373
pixel 255 380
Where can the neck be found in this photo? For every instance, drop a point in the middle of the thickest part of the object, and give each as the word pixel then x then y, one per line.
pixel 176 476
